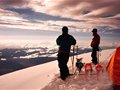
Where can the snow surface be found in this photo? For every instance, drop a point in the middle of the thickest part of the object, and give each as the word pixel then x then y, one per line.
pixel 44 77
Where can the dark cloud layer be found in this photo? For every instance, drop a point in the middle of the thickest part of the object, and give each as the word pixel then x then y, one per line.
pixel 75 13
pixel 31 15
pixel 13 3
pixel 85 8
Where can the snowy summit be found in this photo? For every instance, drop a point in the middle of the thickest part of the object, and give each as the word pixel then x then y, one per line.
pixel 46 77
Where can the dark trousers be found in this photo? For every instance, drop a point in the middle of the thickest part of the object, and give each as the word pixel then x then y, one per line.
pixel 94 55
pixel 62 63
pixel 116 87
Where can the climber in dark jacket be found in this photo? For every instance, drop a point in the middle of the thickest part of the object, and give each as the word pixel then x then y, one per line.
pixel 64 42
pixel 95 46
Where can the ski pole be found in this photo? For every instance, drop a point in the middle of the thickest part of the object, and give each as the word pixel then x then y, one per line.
pixel 98 56
pixel 77 52
pixel 73 59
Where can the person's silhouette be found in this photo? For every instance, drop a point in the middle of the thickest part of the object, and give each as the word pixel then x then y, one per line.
pixel 64 41
pixel 95 46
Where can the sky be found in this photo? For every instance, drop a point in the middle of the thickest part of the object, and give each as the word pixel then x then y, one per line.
pixel 33 19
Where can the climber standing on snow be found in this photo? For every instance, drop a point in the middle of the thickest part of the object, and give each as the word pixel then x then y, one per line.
pixel 95 46
pixel 64 42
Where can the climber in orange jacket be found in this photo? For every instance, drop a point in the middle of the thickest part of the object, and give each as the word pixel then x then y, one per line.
pixel 95 46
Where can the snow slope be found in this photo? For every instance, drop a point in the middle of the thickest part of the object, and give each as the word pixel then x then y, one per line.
pixel 43 76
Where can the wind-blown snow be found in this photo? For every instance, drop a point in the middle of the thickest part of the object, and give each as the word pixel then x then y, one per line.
pixel 44 77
